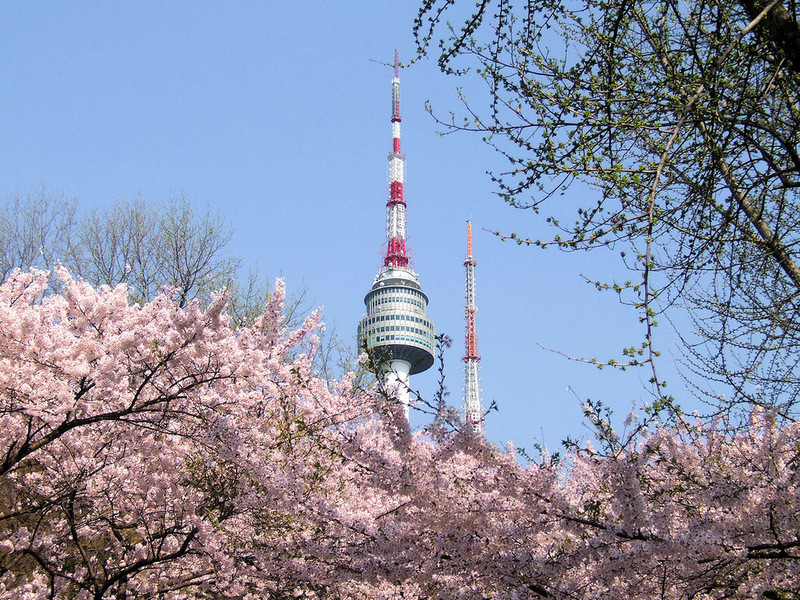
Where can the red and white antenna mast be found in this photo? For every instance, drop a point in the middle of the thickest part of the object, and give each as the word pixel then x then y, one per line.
pixel 473 411
pixel 396 206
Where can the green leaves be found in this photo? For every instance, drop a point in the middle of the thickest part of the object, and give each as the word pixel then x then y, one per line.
pixel 683 119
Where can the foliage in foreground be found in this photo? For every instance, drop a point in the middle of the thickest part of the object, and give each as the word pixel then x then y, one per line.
pixel 149 246
pixel 682 120
pixel 156 451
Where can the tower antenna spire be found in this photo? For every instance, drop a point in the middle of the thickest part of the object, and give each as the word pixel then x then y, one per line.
pixel 473 411
pixel 396 255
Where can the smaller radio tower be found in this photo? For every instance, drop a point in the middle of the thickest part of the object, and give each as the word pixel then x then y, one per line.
pixel 473 411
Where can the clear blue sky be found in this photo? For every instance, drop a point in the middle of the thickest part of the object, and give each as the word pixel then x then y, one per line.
pixel 277 115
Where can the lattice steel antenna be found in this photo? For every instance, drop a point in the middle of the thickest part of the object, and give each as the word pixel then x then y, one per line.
pixel 473 410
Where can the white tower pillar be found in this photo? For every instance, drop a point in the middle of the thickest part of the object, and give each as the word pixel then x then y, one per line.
pixel 397 383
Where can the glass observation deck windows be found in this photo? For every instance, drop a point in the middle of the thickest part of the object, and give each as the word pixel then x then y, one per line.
pixel 397 321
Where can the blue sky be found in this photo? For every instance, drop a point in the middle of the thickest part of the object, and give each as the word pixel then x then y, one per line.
pixel 277 115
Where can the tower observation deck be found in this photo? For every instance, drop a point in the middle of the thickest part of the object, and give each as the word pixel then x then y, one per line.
pixel 396 324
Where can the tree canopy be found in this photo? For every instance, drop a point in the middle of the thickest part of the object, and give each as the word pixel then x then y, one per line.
pixel 146 245
pixel 156 451
pixel 683 119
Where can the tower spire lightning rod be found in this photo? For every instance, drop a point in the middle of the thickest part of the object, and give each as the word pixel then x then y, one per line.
pixel 473 411
pixel 396 255
pixel 396 327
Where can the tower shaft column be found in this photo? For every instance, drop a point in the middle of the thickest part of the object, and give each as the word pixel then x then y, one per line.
pixel 397 382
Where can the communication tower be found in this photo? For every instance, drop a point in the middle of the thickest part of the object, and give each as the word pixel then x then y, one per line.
pixel 396 325
pixel 473 411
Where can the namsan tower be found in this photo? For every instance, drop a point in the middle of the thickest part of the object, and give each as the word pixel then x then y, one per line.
pixel 396 326
pixel 473 410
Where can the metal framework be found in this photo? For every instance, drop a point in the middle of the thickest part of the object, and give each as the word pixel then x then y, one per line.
pixel 473 411
pixel 396 205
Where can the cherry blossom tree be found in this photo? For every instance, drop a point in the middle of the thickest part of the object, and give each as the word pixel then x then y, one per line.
pixel 139 443
pixel 697 513
pixel 156 451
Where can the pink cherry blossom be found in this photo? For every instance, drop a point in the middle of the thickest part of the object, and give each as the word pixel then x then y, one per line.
pixel 156 451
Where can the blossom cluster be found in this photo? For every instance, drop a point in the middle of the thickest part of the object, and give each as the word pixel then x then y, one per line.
pixel 154 451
